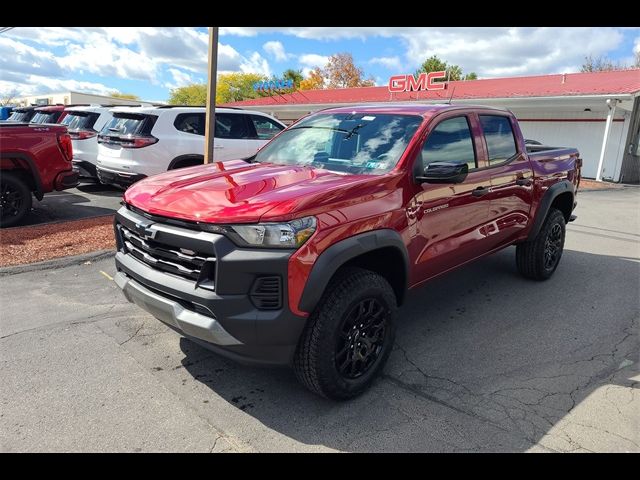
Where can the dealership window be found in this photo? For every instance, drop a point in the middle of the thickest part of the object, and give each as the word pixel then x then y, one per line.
pixel 451 141
pixel 499 135
pixel 265 127
pixel 193 123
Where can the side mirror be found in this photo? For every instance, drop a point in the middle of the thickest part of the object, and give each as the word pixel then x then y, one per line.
pixel 444 172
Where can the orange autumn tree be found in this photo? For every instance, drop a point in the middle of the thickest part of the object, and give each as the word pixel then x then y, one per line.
pixel 339 72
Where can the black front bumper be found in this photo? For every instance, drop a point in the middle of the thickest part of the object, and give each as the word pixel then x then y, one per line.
pixel 123 180
pixel 220 314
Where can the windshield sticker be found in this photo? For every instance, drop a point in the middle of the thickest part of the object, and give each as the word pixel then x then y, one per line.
pixel 368 118
pixel 375 165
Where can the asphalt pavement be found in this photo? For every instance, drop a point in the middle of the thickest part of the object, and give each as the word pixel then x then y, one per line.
pixel 84 201
pixel 484 361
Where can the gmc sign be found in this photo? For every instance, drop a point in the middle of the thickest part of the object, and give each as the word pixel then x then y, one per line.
pixel 409 83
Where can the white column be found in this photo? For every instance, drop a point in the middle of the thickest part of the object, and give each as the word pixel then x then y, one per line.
pixel 611 103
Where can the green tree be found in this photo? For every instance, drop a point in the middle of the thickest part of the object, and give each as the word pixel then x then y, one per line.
pixel 126 96
pixel 295 75
pixel 234 87
pixel 194 94
pixel 435 64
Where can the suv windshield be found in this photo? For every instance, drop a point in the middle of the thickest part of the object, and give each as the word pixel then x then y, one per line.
pixel 356 143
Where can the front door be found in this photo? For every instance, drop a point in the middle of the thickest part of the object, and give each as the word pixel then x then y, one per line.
pixel 450 219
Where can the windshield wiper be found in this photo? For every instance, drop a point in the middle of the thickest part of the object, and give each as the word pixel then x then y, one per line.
pixel 324 128
pixel 353 131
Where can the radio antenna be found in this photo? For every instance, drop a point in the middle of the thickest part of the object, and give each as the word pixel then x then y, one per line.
pixel 451 97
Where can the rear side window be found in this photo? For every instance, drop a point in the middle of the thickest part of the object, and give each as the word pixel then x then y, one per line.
pixel 499 135
pixel 193 123
pixel 129 124
pixel 265 127
pixel 451 142
pixel 232 126
pixel 80 120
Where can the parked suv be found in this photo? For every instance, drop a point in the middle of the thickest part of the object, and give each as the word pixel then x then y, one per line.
pixel 49 114
pixel 139 142
pixel 84 123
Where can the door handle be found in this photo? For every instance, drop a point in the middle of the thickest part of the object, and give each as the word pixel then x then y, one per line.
pixel 524 182
pixel 480 191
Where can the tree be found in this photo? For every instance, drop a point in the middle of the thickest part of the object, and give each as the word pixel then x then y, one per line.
pixel 341 72
pixel 194 94
pixel 295 75
pixel 315 80
pixel 454 72
pixel 126 96
pixel 8 98
pixel 233 87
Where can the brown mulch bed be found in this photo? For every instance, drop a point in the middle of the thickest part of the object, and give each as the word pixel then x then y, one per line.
pixel 36 243
pixel 593 185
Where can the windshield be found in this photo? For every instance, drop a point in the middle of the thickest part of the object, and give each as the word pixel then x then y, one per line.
pixel 356 143
pixel 21 115
pixel 45 117
pixel 79 120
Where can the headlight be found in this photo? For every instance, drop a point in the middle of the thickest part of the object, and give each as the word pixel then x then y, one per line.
pixel 274 235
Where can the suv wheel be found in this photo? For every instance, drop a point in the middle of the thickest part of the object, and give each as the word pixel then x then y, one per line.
pixel 539 258
pixel 349 336
pixel 15 199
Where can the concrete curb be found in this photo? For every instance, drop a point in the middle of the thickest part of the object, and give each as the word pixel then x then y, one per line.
pixel 61 262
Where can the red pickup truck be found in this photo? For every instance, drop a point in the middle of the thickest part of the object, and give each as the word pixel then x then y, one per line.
pixel 33 159
pixel 303 253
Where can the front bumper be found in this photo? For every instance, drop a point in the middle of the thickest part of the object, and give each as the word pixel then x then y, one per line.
pixel 119 179
pixel 225 318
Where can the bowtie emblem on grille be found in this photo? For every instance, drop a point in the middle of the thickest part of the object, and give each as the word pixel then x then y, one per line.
pixel 145 230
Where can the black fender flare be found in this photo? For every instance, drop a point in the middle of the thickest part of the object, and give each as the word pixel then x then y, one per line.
pixel 184 157
pixel 340 253
pixel 545 204
pixel 33 170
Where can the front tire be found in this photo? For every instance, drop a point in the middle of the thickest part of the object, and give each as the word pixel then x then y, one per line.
pixel 15 199
pixel 349 336
pixel 539 258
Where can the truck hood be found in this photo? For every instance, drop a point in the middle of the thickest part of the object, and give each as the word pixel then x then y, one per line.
pixel 240 192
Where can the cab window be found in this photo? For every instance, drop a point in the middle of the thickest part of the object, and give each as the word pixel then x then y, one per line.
pixel 452 142
pixel 499 136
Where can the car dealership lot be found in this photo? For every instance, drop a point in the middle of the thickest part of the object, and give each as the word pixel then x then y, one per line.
pixel 484 361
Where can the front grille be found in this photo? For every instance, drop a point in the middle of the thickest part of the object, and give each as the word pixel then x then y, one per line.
pixel 177 261
pixel 265 293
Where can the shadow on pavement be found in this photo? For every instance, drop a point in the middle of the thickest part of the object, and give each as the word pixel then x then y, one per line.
pixel 484 361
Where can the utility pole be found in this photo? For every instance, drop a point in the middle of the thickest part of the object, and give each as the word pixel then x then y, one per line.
pixel 211 95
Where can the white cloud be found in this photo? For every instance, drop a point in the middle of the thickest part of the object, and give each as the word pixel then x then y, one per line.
pixel 180 79
pixel 276 49
pixel 312 60
pixel 391 63
pixel 36 85
pixel 256 64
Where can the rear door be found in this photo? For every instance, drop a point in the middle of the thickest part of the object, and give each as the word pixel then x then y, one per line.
pixel 511 178
pixel 190 127
pixel 450 218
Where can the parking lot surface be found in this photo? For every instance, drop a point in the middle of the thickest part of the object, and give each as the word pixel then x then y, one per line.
pixel 484 361
pixel 86 200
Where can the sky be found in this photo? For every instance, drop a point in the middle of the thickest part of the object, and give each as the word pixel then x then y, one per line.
pixel 150 61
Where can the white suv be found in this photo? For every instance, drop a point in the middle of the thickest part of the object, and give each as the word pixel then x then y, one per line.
pixel 84 123
pixel 139 142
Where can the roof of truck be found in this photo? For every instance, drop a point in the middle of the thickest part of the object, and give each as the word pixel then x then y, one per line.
pixel 405 109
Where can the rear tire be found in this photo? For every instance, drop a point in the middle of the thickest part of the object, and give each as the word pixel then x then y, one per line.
pixel 349 336
pixel 15 199
pixel 539 258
